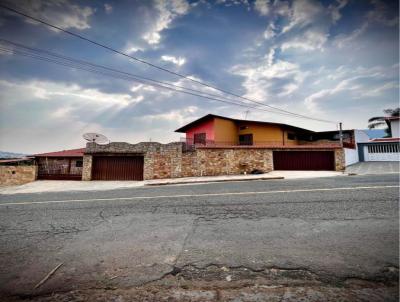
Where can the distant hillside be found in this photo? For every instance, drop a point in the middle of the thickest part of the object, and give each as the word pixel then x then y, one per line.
pixel 4 154
pixel 375 133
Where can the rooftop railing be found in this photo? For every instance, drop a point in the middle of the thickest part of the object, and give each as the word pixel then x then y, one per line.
pixel 191 144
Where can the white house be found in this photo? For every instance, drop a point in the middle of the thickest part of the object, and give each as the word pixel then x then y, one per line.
pixel 382 149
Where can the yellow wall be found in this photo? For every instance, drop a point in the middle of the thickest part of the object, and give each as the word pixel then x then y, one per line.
pixel 228 131
pixel 225 131
pixel 263 133
pixel 289 142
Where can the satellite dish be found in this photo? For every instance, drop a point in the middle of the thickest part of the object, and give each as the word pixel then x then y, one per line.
pixel 96 138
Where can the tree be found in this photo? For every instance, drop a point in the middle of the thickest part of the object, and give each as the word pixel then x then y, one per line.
pixel 379 121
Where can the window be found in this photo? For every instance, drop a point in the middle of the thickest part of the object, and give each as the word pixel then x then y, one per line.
pixel 199 138
pixel 291 136
pixel 246 139
pixel 79 163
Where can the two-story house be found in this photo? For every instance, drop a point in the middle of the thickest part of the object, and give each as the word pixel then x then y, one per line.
pixel 215 130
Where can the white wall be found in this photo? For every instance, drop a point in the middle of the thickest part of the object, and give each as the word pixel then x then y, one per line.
pixel 395 124
pixel 351 155
pixel 381 153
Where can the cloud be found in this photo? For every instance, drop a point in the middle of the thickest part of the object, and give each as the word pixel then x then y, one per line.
pixel 47 91
pixel 108 8
pixel 270 31
pixel 167 11
pixel 335 10
pixel 270 57
pixel 61 13
pixel 311 100
pixel 262 7
pixel 181 116
pixel 377 91
pixel 313 39
pixel 342 41
pixel 302 26
pixel 358 83
pixel 175 60
pixel 131 48
pixel 54 109
pixel 311 22
pixel 229 3
pixel 303 12
pixel 269 78
pixel 272 8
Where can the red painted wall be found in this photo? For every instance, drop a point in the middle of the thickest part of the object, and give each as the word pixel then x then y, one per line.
pixel 206 127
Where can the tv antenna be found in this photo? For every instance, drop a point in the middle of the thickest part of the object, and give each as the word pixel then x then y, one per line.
pixel 96 138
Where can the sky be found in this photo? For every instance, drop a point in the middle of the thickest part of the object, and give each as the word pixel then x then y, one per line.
pixel 334 60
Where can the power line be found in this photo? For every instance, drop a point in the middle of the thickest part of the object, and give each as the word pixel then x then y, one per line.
pixel 98 69
pixel 153 65
pixel 13 51
pixel 53 54
pixel 77 64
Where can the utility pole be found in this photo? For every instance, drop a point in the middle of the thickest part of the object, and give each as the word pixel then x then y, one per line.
pixel 246 113
pixel 340 134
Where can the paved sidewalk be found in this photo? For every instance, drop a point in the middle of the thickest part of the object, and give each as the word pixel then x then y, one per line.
pixel 42 186
pixel 374 167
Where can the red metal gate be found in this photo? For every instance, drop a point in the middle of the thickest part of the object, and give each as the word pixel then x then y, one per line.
pixel 304 160
pixel 117 168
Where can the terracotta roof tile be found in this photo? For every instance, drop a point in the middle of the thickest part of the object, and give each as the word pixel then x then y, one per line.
pixel 387 139
pixel 64 153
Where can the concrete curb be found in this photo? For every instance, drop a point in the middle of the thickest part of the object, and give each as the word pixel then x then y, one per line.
pixel 363 174
pixel 211 181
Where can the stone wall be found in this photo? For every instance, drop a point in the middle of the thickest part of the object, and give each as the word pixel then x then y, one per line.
pixel 17 175
pixel 340 160
pixel 231 161
pixel 169 161
pixel 87 167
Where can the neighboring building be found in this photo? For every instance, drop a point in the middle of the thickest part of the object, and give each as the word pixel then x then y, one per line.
pixel 215 130
pixel 394 122
pixel 66 164
pixel 382 149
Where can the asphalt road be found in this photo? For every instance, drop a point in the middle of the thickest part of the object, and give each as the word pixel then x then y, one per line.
pixel 330 229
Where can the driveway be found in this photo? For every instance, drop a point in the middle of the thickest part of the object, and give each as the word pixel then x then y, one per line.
pixel 374 167
pixel 328 239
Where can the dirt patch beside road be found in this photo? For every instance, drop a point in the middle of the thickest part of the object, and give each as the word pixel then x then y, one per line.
pixel 240 284
pixel 238 291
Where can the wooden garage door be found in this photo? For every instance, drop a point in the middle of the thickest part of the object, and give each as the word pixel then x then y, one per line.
pixel 304 160
pixel 117 168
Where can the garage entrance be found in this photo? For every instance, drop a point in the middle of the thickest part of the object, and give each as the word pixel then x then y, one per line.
pixel 117 168
pixel 304 160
